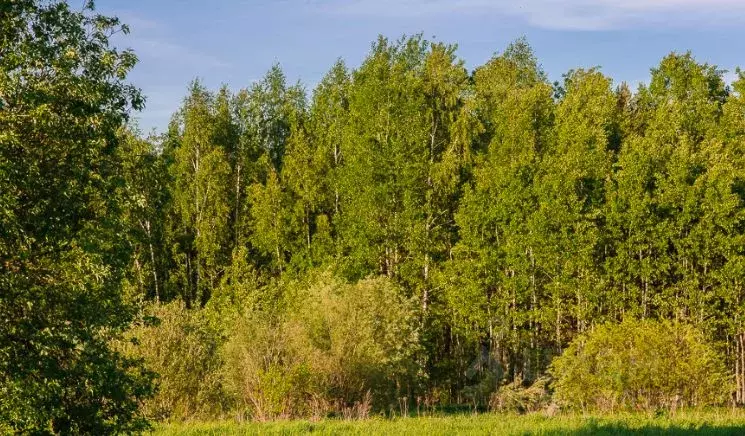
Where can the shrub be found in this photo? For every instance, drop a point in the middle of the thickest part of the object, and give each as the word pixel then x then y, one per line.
pixel 362 337
pixel 267 379
pixel 640 365
pixel 339 348
pixel 517 398
pixel 183 349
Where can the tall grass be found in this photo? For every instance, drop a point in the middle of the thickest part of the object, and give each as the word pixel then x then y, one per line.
pixel 713 422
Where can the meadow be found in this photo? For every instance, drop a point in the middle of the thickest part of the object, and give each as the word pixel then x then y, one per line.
pixel 712 422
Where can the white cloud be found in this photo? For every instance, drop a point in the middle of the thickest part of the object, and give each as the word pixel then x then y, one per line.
pixel 134 21
pixel 152 40
pixel 164 51
pixel 559 14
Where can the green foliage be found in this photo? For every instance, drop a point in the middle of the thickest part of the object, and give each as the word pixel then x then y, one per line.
pixel 640 365
pixel 515 215
pixel 362 337
pixel 183 349
pixel 263 373
pixel 62 259
pixel 338 343
pixel 241 291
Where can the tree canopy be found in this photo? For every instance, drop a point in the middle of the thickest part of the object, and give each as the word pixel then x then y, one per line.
pixel 62 256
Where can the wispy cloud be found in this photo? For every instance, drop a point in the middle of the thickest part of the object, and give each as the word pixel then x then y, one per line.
pixel 167 62
pixel 135 21
pixel 175 54
pixel 559 14
pixel 153 41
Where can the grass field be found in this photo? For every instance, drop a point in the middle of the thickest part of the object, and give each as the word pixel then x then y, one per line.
pixel 724 422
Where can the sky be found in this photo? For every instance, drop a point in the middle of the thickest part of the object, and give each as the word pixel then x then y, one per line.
pixel 234 42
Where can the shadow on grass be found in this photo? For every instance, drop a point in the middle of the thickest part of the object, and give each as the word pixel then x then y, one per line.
pixel 649 429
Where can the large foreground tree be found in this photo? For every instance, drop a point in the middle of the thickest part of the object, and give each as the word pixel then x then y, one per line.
pixel 63 97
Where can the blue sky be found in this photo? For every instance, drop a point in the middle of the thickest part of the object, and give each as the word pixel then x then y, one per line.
pixel 236 41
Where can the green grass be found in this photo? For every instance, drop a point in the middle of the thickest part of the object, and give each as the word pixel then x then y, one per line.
pixel 717 422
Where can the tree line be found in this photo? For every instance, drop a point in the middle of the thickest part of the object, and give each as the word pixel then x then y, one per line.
pixel 516 212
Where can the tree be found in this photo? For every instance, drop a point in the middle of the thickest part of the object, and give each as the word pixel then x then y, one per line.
pixel 201 175
pixel 329 114
pixel 305 175
pixel 571 189
pixel 272 104
pixel 271 116
pixel 270 220
pixel 729 197
pixel 61 261
pixel 662 257
pixel 493 285
pixel 146 197
pixel 395 181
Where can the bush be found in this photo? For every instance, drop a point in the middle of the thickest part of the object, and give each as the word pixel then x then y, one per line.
pixel 644 365
pixel 183 349
pixel 267 379
pixel 340 348
pixel 517 398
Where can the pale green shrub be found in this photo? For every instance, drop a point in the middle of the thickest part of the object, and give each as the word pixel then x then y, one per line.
pixel 339 347
pixel 183 349
pixel 640 365
pixel 267 378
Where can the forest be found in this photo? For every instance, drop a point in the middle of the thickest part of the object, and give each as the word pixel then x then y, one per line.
pixel 408 235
